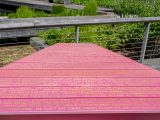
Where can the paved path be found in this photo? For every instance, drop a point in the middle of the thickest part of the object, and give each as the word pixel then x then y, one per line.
pixel 67 79
pixel 155 63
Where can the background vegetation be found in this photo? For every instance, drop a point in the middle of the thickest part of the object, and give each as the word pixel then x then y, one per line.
pixel 108 36
pixel 128 7
pixel 56 10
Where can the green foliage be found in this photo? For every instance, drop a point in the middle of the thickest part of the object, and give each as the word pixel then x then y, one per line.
pixel 123 7
pixel 26 12
pixel 137 7
pixel 107 3
pixel 108 36
pixel 129 7
pixel 58 9
pixel 69 12
pixel 58 1
pixel 57 36
pixel 38 13
pixel 90 8
pixel 3 14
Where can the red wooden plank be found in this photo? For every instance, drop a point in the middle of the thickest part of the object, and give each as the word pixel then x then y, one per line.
pixel 79 82
pixel 78 73
pixel 79 92
pixel 75 59
pixel 86 66
pixel 82 105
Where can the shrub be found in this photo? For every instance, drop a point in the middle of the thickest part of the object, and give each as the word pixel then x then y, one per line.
pixel 57 36
pixel 90 8
pixel 38 13
pixel 58 9
pixel 26 12
pixel 89 34
pixel 129 7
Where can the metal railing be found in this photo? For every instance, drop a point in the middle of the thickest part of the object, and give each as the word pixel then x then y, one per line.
pixel 140 42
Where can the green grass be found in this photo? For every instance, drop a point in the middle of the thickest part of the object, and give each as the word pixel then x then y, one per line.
pixel 12 53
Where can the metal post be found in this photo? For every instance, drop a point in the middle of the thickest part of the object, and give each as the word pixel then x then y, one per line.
pixel 145 40
pixel 66 2
pixel 77 34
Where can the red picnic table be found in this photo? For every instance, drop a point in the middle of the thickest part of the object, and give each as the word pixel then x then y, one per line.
pixel 78 82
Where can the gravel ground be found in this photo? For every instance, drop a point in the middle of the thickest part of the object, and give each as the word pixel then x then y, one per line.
pixel 154 63
pixel 9 54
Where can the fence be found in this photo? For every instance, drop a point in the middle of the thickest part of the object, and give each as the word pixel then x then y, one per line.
pixel 137 38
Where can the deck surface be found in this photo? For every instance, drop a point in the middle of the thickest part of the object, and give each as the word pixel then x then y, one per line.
pixel 78 78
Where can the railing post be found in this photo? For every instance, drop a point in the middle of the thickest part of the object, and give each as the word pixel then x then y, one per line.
pixel 145 40
pixel 66 2
pixel 77 34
